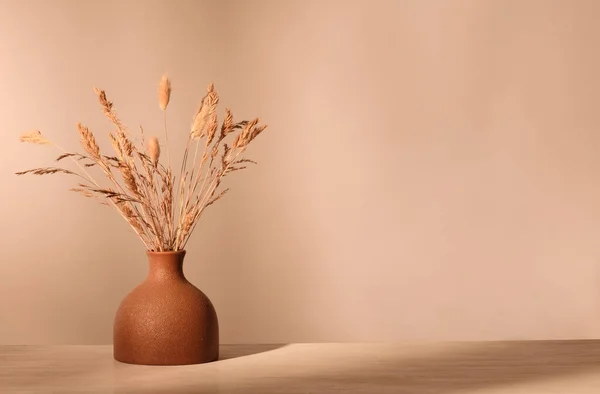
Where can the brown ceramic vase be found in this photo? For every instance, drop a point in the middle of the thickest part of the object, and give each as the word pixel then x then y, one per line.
pixel 166 320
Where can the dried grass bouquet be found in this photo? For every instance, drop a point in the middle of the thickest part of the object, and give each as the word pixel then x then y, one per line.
pixel 141 188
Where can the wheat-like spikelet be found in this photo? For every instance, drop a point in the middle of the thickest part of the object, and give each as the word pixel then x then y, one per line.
pixel 207 107
pixel 129 179
pixel 227 126
pixel 46 171
pixel 107 107
pixel 126 145
pixel 83 191
pixel 34 137
pixel 88 142
pixel 131 217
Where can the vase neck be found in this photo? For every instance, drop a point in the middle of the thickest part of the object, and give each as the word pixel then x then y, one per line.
pixel 165 265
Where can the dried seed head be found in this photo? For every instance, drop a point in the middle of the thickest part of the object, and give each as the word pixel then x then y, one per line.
pixel 200 119
pixel 126 145
pixel 82 191
pixel 201 123
pixel 188 221
pixel 164 92
pixel 227 126
pixel 131 217
pixel 34 137
pixel 129 179
pixel 153 150
pixel 106 105
pixel 88 141
pixel 115 145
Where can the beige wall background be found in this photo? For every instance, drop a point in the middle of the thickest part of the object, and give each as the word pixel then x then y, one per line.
pixel 431 168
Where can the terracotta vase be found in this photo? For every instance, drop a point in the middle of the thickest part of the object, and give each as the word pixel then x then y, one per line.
pixel 166 320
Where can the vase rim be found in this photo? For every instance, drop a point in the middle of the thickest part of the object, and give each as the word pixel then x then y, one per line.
pixel 170 252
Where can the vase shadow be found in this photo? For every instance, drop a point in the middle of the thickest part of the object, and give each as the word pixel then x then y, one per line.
pixel 455 369
pixel 383 369
pixel 227 352
pixel 445 368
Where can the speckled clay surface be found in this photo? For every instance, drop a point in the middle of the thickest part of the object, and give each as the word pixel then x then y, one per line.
pixel 166 320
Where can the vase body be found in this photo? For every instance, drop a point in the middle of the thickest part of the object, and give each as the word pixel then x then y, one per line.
pixel 166 320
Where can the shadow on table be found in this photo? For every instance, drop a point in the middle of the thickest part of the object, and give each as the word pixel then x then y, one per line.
pixel 355 368
pixel 466 367
pixel 455 369
pixel 227 352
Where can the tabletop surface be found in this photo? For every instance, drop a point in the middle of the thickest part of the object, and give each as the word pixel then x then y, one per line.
pixel 528 367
